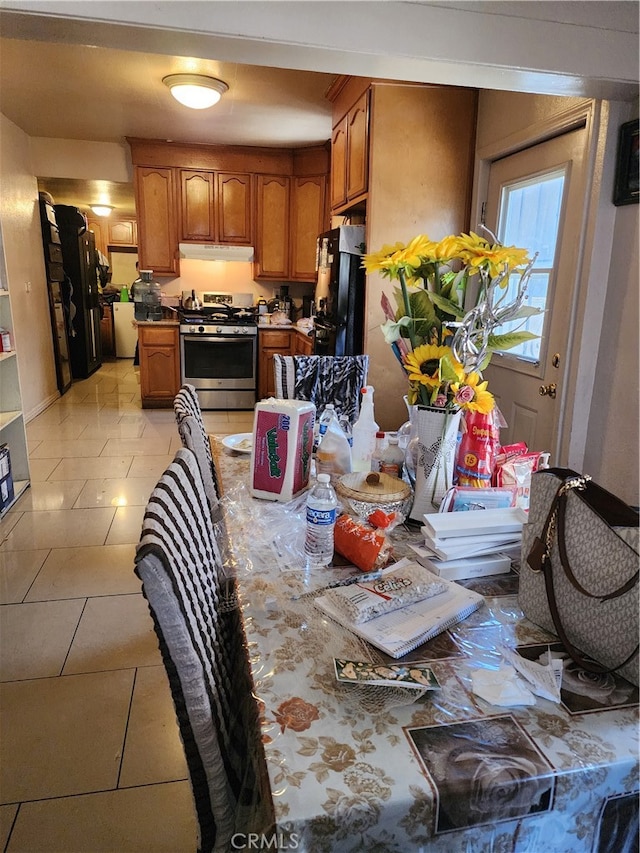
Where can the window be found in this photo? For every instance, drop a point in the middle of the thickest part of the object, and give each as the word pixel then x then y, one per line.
pixel 530 216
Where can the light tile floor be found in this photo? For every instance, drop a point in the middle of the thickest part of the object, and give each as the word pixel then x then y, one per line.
pixel 90 756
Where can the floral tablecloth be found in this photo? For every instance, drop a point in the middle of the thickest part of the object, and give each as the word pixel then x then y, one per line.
pixel 367 769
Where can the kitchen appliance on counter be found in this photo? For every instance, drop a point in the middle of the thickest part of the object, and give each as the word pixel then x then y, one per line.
pixel 219 348
pixel 339 294
pixel 79 260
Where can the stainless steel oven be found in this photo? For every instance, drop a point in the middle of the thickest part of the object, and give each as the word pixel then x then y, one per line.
pixel 219 354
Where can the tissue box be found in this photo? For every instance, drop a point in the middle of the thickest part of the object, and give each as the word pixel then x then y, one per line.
pixel 6 479
pixel 282 446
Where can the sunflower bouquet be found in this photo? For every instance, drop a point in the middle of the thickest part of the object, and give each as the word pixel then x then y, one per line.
pixel 442 343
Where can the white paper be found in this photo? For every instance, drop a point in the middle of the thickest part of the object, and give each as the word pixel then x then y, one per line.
pixel 501 687
pixel 541 680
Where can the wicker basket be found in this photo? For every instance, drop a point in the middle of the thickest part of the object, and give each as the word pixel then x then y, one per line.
pixel 387 493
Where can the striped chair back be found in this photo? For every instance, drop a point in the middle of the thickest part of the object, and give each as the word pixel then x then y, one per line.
pixel 203 649
pixel 186 405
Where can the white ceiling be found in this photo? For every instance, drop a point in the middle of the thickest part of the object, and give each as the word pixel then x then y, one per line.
pixel 93 71
pixel 104 95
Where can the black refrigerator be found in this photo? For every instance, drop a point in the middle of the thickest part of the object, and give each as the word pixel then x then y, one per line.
pixel 339 295
pixel 79 261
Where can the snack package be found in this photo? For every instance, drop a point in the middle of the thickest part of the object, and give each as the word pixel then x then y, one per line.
pixel 361 602
pixel 464 498
pixel 477 448
pixel 516 471
pixel 366 547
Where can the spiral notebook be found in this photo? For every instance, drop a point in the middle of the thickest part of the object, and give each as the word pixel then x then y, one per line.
pixel 403 630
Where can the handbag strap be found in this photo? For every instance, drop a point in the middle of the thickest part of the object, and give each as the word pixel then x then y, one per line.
pixel 574 654
pixel 564 558
pixel 539 560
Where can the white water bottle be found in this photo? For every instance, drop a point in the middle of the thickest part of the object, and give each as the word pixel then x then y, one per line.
pixel 364 433
pixel 322 423
pixel 322 509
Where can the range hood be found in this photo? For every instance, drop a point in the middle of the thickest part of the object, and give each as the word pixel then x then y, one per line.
pixel 215 252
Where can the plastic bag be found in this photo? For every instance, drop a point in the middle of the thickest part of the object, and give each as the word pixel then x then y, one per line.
pixel 333 456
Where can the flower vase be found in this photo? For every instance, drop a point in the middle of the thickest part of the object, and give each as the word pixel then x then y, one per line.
pixel 430 456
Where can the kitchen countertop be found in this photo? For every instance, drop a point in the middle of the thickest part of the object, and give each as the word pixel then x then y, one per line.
pixel 157 322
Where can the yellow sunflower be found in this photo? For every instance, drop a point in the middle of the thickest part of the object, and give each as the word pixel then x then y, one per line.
pixel 478 253
pixel 472 394
pixel 423 364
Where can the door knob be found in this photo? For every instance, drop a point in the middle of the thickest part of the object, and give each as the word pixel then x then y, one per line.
pixel 548 390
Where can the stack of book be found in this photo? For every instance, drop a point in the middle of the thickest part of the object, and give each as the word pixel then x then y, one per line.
pixel 472 544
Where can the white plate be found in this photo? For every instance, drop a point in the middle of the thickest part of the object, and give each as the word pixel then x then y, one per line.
pixel 242 442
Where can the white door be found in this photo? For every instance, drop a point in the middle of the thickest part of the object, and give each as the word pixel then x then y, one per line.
pixel 125 330
pixel 535 200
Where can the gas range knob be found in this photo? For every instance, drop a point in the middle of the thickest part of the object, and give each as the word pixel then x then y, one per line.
pixel 244 331
pixel 201 329
pixel 218 330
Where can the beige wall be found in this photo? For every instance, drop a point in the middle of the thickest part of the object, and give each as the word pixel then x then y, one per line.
pixel 72 158
pixel 611 455
pixel 419 183
pixel 502 115
pixel 20 218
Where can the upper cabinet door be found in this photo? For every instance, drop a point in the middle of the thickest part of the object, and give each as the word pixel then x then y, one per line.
pixel 339 164
pixel 196 208
pixel 157 233
pixel 122 233
pixel 234 208
pixel 358 148
pixel 272 227
pixel 307 221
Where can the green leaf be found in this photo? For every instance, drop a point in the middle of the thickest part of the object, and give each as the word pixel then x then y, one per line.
pixel 527 311
pixel 509 340
pixel 446 305
pixel 447 372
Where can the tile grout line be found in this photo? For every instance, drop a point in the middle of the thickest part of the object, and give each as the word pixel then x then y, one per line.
pixel 10 833
pixel 126 728
pixel 66 657
pixel 35 577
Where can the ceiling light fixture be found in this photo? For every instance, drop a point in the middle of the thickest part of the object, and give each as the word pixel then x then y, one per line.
pixel 102 209
pixel 195 90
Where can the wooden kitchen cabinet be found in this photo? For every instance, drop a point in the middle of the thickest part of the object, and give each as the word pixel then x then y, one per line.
pixel 350 155
pixel 272 228
pixel 107 332
pixel 122 232
pixel 272 199
pixel 215 207
pixel 157 232
pixel 307 221
pixel 159 352
pixel 302 343
pixel 271 342
pixel 290 215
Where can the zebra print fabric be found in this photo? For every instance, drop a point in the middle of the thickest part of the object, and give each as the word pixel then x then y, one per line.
pixel 322 379
pixel 331 379
pixel 203 649
pixel 185 405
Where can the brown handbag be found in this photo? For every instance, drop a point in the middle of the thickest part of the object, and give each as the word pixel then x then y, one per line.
pixel 579 571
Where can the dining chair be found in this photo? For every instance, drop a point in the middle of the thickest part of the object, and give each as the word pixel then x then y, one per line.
pixel 201 639
pixel 323 379
pixel 195 436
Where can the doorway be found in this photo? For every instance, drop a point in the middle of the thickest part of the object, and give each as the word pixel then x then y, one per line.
pixel 535 200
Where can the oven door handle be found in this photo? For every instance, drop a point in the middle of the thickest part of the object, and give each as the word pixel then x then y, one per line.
pixel 214 339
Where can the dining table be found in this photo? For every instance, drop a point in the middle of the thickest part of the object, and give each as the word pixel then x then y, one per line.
pixel 360 767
